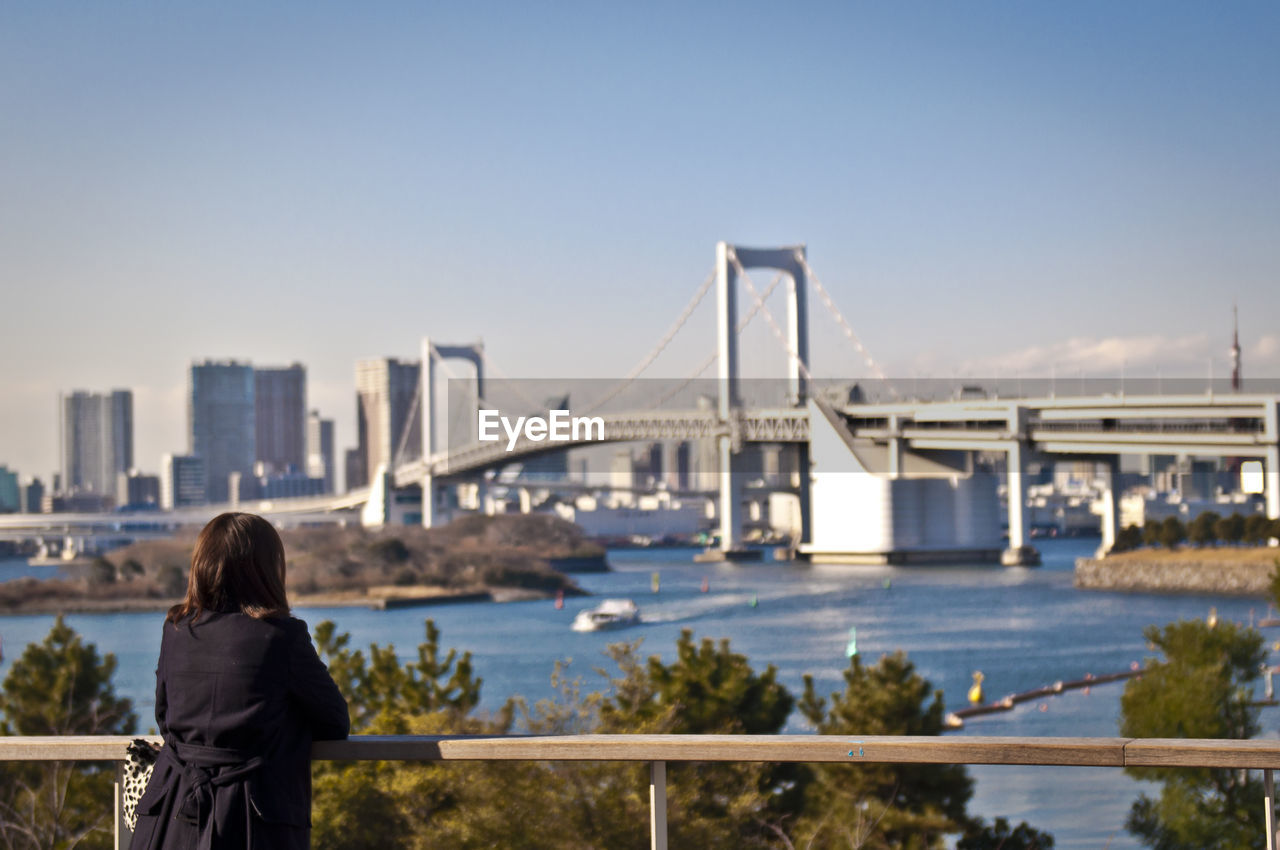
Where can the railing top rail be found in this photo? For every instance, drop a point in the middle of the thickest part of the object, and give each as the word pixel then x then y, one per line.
pixel 851 749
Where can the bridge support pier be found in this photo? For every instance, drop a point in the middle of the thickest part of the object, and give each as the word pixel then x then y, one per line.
pixel 804 489
pixel 1019 553
pixel 730 497
pixel 1110 504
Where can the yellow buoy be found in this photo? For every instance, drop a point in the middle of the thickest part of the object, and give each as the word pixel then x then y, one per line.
pixel 975 692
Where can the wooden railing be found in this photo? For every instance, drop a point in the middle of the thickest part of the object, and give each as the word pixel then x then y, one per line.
pixel 657 750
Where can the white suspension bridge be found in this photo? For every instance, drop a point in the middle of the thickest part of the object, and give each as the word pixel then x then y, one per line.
pixel 890 479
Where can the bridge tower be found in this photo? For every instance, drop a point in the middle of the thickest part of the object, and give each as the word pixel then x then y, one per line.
pixel 432 355
pixel 790 261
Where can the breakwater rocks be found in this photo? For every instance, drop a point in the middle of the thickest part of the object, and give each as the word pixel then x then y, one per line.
pixel 1177 572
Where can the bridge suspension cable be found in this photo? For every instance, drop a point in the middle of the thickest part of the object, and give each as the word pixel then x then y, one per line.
pixel 827 302
pixel 715 354
pixel 415 413
pixel 647 360
pixel 512 383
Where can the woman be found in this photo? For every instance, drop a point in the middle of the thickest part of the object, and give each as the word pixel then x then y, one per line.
pixel 240 695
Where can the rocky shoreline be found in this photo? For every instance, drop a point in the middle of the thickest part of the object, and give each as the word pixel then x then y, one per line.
pixel 477 559
pixel 1244 572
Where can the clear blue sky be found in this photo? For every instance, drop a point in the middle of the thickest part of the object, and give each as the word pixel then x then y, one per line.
pixel 984 187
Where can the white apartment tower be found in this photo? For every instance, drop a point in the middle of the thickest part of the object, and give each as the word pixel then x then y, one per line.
pixel 387 416
pixel 97 440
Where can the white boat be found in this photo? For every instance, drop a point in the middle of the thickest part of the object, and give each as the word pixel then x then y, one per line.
pixel 609 614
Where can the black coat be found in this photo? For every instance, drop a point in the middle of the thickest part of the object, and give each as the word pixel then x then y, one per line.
pixel 238 702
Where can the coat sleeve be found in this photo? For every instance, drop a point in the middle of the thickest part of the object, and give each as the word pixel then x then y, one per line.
pixel 162 694
pixel 313 690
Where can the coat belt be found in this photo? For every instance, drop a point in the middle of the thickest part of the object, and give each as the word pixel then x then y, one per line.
pixel 199 771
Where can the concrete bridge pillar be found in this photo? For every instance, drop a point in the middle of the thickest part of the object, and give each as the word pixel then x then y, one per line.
pixel 1110 504
pixel 526 501
pixel 1019 553
pixel 895 448
pixel 729 400
pixel 803 483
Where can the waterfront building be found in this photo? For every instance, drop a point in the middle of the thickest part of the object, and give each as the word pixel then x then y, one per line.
pixel 683 466
pixel 137 491
pixel 622 470
pixel 9 497
pixel 222 427
pixel 182 481
pixel 31 496
pixel 280 417
pixel 88 503
pixel 1138 507
pixel 97 440
pixel 649 465
pixel 320 463
pixel 290 484
pixel 656 517
pixel 353 469
pixel 387 416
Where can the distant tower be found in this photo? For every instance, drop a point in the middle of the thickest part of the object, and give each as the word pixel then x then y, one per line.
pixel 385 406
pixel 1235 348
pixel 320 457
pixel 222 423
pixel 97 440
pixel 280 417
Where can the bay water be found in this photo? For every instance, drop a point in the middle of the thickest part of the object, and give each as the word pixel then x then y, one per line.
pixel 1022 628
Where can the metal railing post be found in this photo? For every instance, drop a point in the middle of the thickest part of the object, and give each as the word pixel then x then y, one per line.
pixel 119 829
pixel 658 805
pixel 1269 789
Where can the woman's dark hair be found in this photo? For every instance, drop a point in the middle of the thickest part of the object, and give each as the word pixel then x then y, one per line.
pixel 237 566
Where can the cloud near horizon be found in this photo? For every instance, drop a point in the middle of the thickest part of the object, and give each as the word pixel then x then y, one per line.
pixel 1148 355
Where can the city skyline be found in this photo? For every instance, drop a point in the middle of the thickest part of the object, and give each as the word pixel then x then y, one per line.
pixel 984 190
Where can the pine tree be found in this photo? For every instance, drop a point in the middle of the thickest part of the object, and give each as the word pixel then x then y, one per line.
pixel 899 806
pixel 60 687
pixel 1201 688
pixel 387 805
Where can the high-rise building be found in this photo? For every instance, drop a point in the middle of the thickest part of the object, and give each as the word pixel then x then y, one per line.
pixel 647 465
pixel 387 419
pixel 31 495
pixel 9 497
pixel 320 449
pixel 222 423
pixel 137 491
pixel 353 469
pixel 97 440
pixel 683 466
pixel 181 481
pixel 280 417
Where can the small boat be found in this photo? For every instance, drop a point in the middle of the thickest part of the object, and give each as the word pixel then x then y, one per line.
pixel 609 614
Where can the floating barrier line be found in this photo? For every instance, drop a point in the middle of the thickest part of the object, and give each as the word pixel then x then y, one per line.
pixel 955 719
